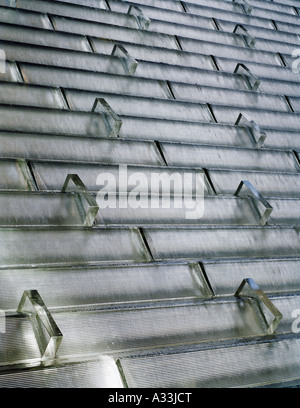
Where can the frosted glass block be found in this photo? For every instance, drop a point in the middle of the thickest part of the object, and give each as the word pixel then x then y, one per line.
pixel 188 132
pixel 39 120
pixel 51 176
pixel 116 330
pixel 274 276
pixel 43 37
pixel 144 107
pixel 74 246
pixel 185 243
pixel 210 211
pixel 265 119
pixel 239 53
pixel 228 97
pixel 242 366
pixel 157 54
pixel 116 33
pixel 221 157
pixel 269 184
pixel 19 209
pixel 17 94
pixel 15 175
pixel 24 18
pixel 66 287
pixel 285 212
pixel 10 73
pixel 93 81
pixel 79 149
pixel 102 373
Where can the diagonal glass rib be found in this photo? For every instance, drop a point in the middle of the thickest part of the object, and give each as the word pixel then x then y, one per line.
pixel 129 63
pixel 256 132
pixel 252 81
pixel 43 321
pixel 258 197
pixel 257 294
pixel 111 119
pixel 91 213
pixel 248 38
pixel 143 22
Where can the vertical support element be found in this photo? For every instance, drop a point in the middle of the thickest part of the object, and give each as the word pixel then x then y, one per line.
pixel 179 46
pixel 90 43
pixel 256 133
pixel 51 22
pixel 23 167
pixel 19 74
pixel 216 24
pixel 246 7
pixel 211 112
pixel 32 305
pixel 128 62
pixel 258 198
pixel 184 6
pixel 251 80
pixel 161 153
pixel 93 208
pixel 262 300
pixel 112 121
pixel 122 375
pixel 144 241
pixel 274 24
pixel 143 22
pixel 281 60
pixel 247 37
pixel 65 98
pixel 215 64
pixel 198 269
pixel 289 103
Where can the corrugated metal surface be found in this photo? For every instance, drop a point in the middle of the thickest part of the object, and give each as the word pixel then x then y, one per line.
pixel 143 288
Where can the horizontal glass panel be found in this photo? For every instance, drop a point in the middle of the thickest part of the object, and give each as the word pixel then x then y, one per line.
pixel 101 4
pixel 185 243
pixel 79 11
pixel 157 54
pixel 166 4
pixel 285 211
pixel 282 139
pixel 145 107
pixel 67 287
pixel 116 33
pixel 189 132
pixel 93 81
pixel 38 36
pixel 265 119
pixel 101 331
pixel 70 246
pixel 240 53
pixel 20 94
pixel 102 373
pixel 229 97
pixel 51 176
pixel 39 120
pixel 273 276
pixel 19 209
pixel 181 211
pixel 241 366
pixel 268 184
pixel 79 149
pixel 221 157
pixel 15 175
pixel 12 73
pixel 295 102
pixel 21 17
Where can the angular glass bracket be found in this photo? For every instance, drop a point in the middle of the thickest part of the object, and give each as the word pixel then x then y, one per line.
pixel 258 198
pixel 44 325
pixel 248 38
pixel 247 8
pixel 252 81
pixel 257 294
pixel 88 216
pixel 24 169
pixel 143 22
pixel 257 134
pixel 128 62
pixel 112 121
